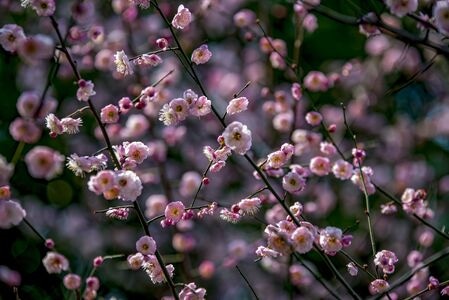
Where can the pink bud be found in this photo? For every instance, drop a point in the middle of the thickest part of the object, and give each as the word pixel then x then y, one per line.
pixel 49 243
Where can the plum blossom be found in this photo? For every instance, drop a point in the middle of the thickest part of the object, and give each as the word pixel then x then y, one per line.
pixel 331 240
pixel 200 107
pixel 249 206
pixel 201 55
pixel 109 114
pixel 441 15
pixel 386 260
pixel 173 213
pixel 293 182
pixel 86 164
pixel 237 105
pixel 43 8
pixel 402 7
pixel 44 163
pixel 11 35
pixel 85 90
pixel 191 292
pixel 11 214
pixel 352 269
pixel 316 81
pixel 302 240
pixel 182 18
pixel 320 165
pixel 378 286
pixel 72 281
pixel 55 262
pixel 129 184
pixel 146 245
pixel 122 63
pixel 314 118
pixel 33 49
pixel 244 18
pixel 154 270
pixel 342 169
pixel 237 137
pixel 300 276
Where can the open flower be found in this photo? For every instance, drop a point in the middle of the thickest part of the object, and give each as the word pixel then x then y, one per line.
pixel 237 137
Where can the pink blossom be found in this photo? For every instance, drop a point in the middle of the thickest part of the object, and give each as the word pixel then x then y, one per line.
pixel 162 43
pixel 283 121
pixel 72 281
pixel 154 270
pixel 302 240
pixel 330 240
pixel 54 125
pixel 276 159
pixel 200 107
pixel 71 125
pixel 386 260
pixel 229 216
pixel 191 292
pixel 237 105
pixel 35 48
pixel 11 214
pixel 121 213
pixel 137 151
pixel 314 118
pixel 296 91
pixel 152 60
pixel 300 276
pixel 180 107
pixel 5 192
pixel 441 15
pixel 135 261
pixel 402 7
pixel 352 269
pixel 135 126
pixel 244 18
pixel 316 81
pixel 182 18
pixel 327 148
pixel 378 286
pixel 9 277
pixel 320 165
pixel 174 211
pixel 342 169
pixel 43 8
pixel 129 184
pixel 292 182
pixel 249 206
pixel 86 164
pixel 237 137
pixel 189 184
pixel 44 162
pixel 122 63
pixel 55 262
pixel 266 252
pixel 146 245
pixel 24 130
pixel 27 103
pixel 310 23
pixel 109 114
pixel 11 35
pixel 102 181
pixel 85 90
pixel 201 55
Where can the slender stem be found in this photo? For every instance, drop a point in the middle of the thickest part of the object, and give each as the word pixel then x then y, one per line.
pixel 158 255
pixel 365 193
pixel 317 277
pixel 338 275
pixel 247 282
pixel 201 185
pixel 427 289
pixel 34 229
pixel 18 153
